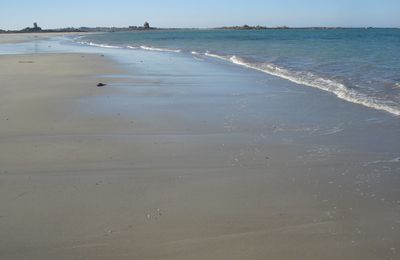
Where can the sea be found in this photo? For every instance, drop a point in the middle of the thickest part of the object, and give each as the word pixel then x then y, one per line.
pixel 361 66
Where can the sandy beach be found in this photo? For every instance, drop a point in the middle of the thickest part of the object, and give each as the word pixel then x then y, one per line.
pixel 8 38
pixel 166 163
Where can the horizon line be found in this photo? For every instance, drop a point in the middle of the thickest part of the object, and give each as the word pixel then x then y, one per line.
pixel 216 27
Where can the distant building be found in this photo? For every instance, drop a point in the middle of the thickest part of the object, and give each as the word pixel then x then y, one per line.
pixel 146 26
pixel 35 28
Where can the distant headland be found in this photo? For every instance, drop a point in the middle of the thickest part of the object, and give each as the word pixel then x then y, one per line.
pixel 258 27
pixel 36 29
pixel 146 27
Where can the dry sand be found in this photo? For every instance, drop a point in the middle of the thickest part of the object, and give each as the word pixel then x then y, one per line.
pixel 78 184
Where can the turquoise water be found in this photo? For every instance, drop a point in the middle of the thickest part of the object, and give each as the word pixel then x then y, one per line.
pixel 358 65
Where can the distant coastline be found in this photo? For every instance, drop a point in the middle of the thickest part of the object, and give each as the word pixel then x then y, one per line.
pixel 147 27
pixel 36 29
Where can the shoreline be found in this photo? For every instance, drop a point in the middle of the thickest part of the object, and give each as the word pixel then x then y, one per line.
pixel 337 88
pixel 12 38
pixel 142 168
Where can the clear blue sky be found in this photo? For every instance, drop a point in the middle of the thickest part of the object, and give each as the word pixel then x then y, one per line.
pixel 17 14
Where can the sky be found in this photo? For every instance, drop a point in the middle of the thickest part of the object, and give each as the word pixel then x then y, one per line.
pixel 18 14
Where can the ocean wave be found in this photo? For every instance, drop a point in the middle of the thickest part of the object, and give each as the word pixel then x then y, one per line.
pixel 212 55
pixel 101 45
pixel 299 77
pixel 311 80
pixel 147 48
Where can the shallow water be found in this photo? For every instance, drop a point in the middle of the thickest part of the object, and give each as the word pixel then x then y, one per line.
pixel 357 65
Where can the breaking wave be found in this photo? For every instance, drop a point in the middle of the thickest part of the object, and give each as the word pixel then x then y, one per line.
pixel 216 56
pixel 101 45
pixel 312 80
pixel 147 48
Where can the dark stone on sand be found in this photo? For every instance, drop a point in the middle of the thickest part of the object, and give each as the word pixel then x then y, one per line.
pixel 101 85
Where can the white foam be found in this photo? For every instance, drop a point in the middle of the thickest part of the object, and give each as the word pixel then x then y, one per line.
pixel 100 45
pixel 195 53
pixel 309 79
pixel 104 45
pixel 147 48
pixel 132 47
pixel 216 56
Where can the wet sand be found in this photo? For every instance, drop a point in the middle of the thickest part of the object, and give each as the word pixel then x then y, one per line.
pixel 9 38
pixel 175 159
